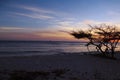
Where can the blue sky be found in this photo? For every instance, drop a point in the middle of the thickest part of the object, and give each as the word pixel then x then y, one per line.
pixel 47 19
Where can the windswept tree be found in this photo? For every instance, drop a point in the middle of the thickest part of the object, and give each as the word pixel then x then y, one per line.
pixel 104 37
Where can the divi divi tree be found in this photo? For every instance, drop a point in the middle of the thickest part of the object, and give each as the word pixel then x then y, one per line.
pixel 103 37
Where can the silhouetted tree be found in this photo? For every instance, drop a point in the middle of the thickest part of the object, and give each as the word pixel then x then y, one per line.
pixel 104 37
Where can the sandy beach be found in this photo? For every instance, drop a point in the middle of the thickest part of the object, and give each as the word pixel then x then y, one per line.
pixel 68 66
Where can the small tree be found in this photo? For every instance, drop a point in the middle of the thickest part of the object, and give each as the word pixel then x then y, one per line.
pixel 104 37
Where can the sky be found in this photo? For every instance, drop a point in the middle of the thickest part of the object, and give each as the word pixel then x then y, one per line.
pixel 52 20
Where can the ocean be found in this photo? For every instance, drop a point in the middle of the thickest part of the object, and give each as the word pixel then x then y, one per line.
pixel 29 48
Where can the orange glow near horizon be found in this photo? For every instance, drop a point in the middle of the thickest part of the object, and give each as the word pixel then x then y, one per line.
pixel 55 36
pixel 47 36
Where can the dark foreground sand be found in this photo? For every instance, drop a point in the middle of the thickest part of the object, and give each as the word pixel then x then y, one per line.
pixel 59 67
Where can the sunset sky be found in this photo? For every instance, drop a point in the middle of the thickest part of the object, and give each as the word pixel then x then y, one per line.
pixel 52 19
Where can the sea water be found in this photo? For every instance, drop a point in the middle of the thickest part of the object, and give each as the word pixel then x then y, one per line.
pixel 28 48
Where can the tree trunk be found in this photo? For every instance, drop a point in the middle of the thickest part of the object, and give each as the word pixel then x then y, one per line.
pixel 99 47
pixel 112 52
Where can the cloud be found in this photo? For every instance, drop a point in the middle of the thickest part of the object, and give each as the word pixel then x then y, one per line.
pixel 68 26
pixel 41 13
pixel 34 12
pixel 65 23
pixel 18 36
pixel 14 33
pixel 63 31
pixel 11 28
pixel 93 22
pixel 71 26
pixel 90 22
pixel 53 35
pixel 35 16
pixel 17 29
pixel 37 10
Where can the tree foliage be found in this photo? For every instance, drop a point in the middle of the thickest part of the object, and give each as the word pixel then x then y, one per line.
pixel 104 37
